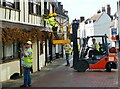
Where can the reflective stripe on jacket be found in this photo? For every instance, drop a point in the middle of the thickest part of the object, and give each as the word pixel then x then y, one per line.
pixel 28 59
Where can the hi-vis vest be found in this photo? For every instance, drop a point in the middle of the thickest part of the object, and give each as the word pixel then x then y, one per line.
pixel 28 59
pixel 78 47
pixel 96 46
pixel 51 21
pixel 68 48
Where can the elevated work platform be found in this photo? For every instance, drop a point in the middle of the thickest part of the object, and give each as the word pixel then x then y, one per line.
pixel 61 41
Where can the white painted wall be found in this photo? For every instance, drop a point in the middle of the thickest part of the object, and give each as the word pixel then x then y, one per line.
pixel 102 26
pixel 42 59
pixel 82 29
pixel 22 11
pixel 8 69
pixel 89 29
pixel 118 10
pixel 34 49
pixel 26 11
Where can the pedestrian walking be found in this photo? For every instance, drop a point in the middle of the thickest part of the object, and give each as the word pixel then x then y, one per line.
pixel 27 53
pixel 68 50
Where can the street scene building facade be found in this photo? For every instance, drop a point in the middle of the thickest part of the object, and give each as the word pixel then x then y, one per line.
pixel 102 23
pixel 88 64
pixel 20 18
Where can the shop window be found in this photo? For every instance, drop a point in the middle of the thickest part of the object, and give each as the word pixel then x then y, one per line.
pixel 10 52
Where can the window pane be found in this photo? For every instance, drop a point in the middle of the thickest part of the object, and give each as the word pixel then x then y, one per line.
pixel 15 51
pixel 8 51
pixel 34 8
pixel 12 1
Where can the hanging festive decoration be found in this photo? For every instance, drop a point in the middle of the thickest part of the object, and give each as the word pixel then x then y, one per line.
pixel 10 35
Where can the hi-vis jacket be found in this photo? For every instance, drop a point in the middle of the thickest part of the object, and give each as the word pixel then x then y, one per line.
pixel 51 21
pixel 28 59
pixel 67 48
pixel 78 47
pixel 96 46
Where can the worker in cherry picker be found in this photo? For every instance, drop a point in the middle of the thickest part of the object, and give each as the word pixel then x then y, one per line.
pixel 53 22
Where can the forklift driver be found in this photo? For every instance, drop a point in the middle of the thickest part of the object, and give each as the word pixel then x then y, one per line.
pixel 95 49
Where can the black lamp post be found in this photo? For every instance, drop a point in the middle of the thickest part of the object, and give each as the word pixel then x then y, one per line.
pixel 75 26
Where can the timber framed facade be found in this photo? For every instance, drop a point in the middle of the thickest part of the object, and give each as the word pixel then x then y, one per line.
pixel 24 16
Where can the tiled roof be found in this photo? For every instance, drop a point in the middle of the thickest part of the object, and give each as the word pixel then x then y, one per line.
pixel 96 16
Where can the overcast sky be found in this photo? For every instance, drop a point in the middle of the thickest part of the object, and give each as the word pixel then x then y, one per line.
pixel 87 8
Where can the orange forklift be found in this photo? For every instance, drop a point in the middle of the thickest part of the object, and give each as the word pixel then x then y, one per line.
pixel 105 59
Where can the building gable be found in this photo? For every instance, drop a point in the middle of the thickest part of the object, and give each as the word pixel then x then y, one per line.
pixel 103 19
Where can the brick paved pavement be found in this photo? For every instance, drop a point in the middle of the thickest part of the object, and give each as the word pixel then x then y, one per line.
pixel 58 75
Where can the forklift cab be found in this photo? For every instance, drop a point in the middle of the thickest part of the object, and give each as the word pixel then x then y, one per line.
pixel 104 59
pixel 102 46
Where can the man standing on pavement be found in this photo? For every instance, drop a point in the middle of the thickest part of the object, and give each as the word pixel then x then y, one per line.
pixel 68 51
pixel 27 53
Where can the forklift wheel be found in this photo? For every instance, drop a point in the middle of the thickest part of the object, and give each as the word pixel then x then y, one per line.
pixel 108 67
pixel 82 65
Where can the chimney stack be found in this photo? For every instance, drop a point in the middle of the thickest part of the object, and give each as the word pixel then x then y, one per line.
pixel 103 9
pixel 108 10
pixel 82 18
pixel 98 11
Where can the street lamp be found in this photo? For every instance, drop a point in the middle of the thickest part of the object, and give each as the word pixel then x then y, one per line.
pixel 75 26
